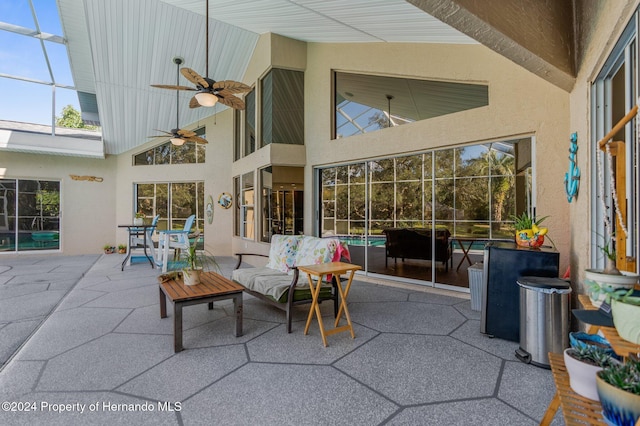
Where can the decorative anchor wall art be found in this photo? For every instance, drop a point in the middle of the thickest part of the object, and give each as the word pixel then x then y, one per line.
pixel 572 177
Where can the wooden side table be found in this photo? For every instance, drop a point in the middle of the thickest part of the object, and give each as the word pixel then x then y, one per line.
pixel 321 270
pixel 213 287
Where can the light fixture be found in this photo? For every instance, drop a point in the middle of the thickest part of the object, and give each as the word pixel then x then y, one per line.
pixel 206 99
pixel 177 141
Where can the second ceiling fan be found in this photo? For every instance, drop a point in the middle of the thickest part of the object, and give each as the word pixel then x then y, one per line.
pixel 210 91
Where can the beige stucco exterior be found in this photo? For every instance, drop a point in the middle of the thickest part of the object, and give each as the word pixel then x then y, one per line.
pixel 521 104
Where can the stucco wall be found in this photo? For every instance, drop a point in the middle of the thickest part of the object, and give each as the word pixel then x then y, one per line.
pixel 520 104
pixel 215 172
pixel 88 221
pixel 601 28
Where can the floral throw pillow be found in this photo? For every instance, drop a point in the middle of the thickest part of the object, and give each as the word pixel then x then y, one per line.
pixel 282 252
pixel 312 251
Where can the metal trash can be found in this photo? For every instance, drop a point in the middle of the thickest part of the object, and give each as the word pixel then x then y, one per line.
pixel 476 273
pixel 544 319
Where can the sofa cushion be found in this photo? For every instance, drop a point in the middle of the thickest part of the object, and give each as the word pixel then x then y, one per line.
pixel 275 284
pixel 247 276
pixel 282 253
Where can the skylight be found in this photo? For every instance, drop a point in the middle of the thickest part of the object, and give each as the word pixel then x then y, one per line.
pixel 35 76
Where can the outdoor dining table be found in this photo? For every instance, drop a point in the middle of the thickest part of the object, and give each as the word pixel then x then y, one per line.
pixel 136 230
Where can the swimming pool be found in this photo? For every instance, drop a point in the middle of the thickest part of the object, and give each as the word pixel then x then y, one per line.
pixel 373 240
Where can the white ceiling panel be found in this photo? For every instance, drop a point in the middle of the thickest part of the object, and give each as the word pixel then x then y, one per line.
pixel 118 48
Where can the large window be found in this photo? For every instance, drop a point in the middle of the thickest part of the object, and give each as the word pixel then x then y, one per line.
pixel 282 201
pixel 173 201
pixel 167 153
pixel 467 192
pixel 282 112
pixel 245 199
pixel 614 93
pixel 365 103
pixel 29 215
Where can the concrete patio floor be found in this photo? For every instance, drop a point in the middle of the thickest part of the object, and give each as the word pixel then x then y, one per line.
pixel 418 357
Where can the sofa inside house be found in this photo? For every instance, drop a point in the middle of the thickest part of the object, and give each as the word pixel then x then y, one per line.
pixel 416 243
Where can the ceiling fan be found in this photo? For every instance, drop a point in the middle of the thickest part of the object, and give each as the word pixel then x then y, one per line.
pixel 210 91
pixel 179 136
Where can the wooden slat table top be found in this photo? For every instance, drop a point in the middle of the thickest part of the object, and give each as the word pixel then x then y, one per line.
pixel 577 409
pixel 211 284
pixel 585 301
pixel 329 268
pixel 622 347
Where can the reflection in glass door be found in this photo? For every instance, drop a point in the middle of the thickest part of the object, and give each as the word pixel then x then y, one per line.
pixel 426 217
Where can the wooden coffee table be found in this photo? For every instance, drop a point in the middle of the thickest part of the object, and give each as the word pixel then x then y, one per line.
pixel 213 287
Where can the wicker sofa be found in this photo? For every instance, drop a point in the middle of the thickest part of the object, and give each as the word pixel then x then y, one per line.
pixel 279 282
pixel 415 243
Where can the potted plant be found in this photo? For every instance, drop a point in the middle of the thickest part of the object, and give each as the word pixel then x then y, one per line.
pixel 108 249
pixel 619 391
pixel 138 218
pixel 528 232
pixel 625 310
pixel 582 363
pixel 122 248
pixel 195 262
pixel 601 284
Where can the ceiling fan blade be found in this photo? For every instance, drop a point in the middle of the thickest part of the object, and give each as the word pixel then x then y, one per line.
pixel 193 103
pixel 232 101
pixel 172 87
pixel 162 131
pixel 194 77
pixel 185 133
pixel 231 86
pixel 196 139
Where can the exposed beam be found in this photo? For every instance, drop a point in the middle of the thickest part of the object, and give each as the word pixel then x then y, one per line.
pixel 537 35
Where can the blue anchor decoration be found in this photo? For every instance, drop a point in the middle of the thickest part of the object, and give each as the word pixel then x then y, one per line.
pixel 572 177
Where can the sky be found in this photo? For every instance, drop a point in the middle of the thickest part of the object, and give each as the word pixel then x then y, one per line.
pixel 22 56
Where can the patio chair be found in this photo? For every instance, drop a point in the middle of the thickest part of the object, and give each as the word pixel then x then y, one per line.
pixel 138 239
pixel 173 239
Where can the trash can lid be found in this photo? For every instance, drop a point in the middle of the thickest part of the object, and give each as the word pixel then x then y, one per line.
pixel 544 283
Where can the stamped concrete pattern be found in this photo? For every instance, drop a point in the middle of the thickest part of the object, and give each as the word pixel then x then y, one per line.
pixel 104 356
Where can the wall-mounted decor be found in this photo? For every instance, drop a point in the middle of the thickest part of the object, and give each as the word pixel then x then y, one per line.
pixel 225 200
pixel 89 178
pixel 572 177
pixel 209 209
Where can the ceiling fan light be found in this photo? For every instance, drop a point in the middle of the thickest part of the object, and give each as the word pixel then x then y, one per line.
pixel 177 141
pixel 206 99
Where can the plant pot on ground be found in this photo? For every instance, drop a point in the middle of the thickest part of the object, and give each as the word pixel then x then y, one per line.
pixel 122 248
pixel 108 249
pixel 582 365
pixel 619 391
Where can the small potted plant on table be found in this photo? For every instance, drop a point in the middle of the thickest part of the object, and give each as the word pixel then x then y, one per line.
pixel 582 364
pixel 196 262
pixel 138 219
pixel 528 231
pixel 619 390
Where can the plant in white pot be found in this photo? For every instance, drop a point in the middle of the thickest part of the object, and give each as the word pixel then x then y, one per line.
pixel 582 364
pixel 603 282
pixel 195 262
pixel 619 391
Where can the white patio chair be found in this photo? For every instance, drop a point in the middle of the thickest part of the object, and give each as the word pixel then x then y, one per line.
pixel 173 239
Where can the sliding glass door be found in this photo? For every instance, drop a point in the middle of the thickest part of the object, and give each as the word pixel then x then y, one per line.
pixel 427 216
pixel 29 215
